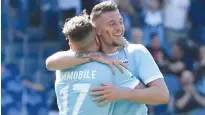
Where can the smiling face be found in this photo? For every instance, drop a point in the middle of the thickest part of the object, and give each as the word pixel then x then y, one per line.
pixel 109 25
pixel 110 28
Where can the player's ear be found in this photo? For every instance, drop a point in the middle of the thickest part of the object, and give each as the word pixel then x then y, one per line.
pixel 98 31
pixel 70 45
pixel 97 39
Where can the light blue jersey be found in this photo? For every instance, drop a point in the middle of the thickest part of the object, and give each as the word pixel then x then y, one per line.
pixel 142 65
pixel 73 88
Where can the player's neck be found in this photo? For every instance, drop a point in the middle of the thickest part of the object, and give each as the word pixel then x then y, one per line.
pixel 109 49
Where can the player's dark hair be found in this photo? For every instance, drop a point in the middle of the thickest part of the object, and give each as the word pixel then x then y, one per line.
pixel 78 28
pixel 103 7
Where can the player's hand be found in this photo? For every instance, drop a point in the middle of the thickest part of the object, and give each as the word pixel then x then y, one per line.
pixel 106 94
pixel 119 64
pixel 110 62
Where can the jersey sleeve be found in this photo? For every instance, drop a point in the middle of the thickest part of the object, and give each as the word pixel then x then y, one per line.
pixel 126 79
pixel 148 70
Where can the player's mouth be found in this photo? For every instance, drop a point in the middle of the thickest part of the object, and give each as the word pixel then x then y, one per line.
pixel 118 34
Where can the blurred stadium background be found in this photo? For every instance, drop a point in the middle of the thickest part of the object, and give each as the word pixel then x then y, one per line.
pixel 172 30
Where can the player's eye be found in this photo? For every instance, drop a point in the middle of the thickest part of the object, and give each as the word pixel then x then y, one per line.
pixel 112 24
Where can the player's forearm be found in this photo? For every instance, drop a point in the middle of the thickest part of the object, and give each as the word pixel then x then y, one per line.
pixel 150 95
pixel 64 62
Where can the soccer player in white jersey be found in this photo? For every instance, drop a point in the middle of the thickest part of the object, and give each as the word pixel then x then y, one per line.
pixel 72 85
pixel 110 28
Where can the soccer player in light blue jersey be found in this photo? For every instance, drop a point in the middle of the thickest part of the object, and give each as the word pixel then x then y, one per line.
pixel 109 25
pixel 73 85
pixel 73 88
pixel 110 29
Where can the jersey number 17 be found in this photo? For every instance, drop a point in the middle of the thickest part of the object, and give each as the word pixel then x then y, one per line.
pixel 82 88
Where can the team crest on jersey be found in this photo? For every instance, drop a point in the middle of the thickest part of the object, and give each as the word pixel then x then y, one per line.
pixel 124 60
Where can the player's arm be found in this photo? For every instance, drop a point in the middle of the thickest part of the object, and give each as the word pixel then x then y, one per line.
pixel 67 59
pixel 63 60
pixel 155 93
pixel 140 86
pixel 110 92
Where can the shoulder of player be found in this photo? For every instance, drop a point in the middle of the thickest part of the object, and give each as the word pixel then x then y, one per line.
pixel 137 48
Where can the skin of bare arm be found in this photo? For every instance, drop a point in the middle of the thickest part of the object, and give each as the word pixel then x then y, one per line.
pixel 63 60
pixel 155 93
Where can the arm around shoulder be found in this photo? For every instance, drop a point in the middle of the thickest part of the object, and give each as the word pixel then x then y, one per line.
pixel 155 93
pixel 64 60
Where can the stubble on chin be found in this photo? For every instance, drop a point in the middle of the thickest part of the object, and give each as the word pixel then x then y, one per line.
pixel 116 44
pixel 120 42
